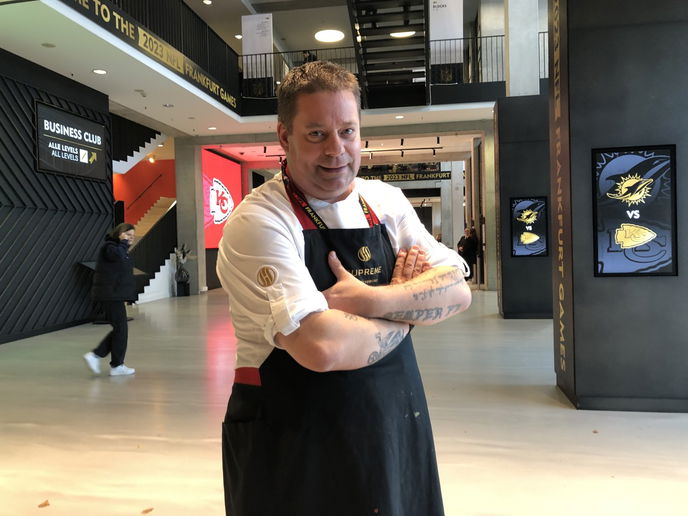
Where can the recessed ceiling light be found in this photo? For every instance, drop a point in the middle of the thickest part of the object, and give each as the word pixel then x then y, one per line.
pixel 212 128
pixel 151 159
pixel 399 117
pixel 406 34
pixel 329 36
pixel 168 105
pixel 47 45
pixel 207 2
pixel 160 145
pixel 98 71
pixel 238 36
pixel 278 82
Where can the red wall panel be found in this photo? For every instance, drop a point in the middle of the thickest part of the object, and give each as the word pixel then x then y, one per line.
pixel 221 193
pixel 158 177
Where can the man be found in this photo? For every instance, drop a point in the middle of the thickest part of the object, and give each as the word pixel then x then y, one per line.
pixel 326 274
pixel 309 56
pixel 468 249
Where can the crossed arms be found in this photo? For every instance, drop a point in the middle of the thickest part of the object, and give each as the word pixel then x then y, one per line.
pixel 364 323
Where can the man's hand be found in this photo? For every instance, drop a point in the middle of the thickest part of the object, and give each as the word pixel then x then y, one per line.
pixel 348 294
pixel 409 264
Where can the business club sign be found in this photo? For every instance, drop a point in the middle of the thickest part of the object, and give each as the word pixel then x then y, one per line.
pixel 69 144
pixel 221 193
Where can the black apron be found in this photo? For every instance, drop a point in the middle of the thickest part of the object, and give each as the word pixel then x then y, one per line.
pixel 343 443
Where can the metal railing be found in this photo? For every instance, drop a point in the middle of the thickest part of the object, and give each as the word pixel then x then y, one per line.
pixel 467 60
pixel 543 54
pixel 452 61
pixel 177 24
pixel 262 73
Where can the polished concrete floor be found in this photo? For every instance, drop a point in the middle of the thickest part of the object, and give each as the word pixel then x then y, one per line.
pixel 508 442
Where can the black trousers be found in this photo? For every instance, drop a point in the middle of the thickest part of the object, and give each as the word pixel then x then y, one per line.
pixel 115 342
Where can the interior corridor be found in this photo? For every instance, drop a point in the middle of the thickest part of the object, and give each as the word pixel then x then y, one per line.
pixel 508 442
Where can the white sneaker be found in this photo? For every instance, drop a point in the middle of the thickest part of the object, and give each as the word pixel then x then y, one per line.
pixel 121 370
pixel 93 362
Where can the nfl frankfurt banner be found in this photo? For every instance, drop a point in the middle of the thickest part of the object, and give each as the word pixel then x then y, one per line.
pixel 113 19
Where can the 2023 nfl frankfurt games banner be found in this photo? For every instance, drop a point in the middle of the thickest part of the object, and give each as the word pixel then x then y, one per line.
pixel 635 211
pixel 529 226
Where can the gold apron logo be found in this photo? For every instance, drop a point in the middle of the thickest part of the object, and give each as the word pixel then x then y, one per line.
pixel 364 254
pixel 267 275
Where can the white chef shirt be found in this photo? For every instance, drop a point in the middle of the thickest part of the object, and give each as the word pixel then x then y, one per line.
pixel 263 241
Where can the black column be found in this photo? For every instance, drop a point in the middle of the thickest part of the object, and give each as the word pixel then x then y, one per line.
pixel 618 78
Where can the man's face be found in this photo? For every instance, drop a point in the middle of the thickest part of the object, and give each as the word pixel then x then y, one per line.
pixel 324 147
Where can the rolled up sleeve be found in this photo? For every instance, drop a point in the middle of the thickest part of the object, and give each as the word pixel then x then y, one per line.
pixel 261 269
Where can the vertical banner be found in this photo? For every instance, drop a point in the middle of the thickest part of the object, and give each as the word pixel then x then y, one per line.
pixel 635 211
pixel 257 45
pixel 221 194
pixel 446 23
pixel 560 180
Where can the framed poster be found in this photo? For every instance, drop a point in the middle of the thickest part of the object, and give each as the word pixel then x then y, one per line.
pixel 529 226
pixel 634 211
pixel 69 144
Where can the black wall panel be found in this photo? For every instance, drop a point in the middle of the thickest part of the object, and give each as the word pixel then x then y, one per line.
pixel 525 283
pixel 627 83
pixel 48 223
pixel 211 277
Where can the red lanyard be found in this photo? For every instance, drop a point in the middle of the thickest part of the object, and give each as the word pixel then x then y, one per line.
pixel 307 216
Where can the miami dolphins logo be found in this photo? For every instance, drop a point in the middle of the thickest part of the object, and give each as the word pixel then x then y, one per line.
pixel 528 216
pixel 632 189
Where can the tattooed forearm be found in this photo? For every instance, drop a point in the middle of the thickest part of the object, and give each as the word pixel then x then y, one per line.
pixel 428 314
pixel 438 285
pixel 453 309
pixel 386 343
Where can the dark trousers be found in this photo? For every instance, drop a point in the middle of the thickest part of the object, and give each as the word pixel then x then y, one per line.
pixel 114 342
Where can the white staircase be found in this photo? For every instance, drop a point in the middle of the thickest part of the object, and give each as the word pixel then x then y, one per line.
pixel 162 285
pixel 122 167
pixel 153 215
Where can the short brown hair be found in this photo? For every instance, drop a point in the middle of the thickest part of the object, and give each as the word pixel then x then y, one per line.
pixel 311 78
pixel 119 229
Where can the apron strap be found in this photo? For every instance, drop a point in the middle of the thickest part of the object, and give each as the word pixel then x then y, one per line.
pixel 247 375
pixel 307 216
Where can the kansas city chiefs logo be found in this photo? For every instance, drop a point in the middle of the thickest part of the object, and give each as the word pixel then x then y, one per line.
pixel 221 203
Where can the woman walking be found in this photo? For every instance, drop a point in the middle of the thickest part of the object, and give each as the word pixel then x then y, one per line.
pixel 113 285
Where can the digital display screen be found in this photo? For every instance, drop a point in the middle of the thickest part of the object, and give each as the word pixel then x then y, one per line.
pixel 69 144
pixel 634 211
pixel 528 226
pixel 221 193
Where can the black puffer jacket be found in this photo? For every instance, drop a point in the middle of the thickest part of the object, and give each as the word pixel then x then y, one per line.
pixel 114 276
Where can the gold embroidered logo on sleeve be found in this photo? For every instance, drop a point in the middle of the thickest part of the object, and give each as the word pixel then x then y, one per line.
pixel 266 276
pixel 364 254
